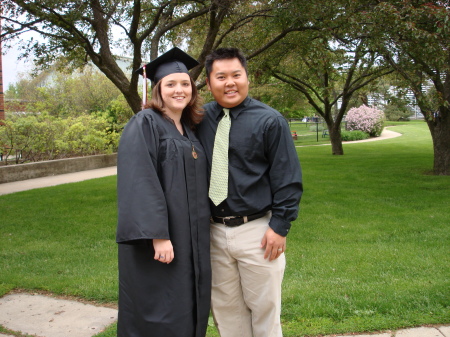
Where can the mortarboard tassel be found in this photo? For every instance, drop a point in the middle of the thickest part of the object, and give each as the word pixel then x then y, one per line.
pixel 144 88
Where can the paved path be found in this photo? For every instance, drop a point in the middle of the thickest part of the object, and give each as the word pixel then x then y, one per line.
pixel 385 134
pixel 47 316
pixel 29 184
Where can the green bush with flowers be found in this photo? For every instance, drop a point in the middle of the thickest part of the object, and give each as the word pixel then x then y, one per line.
pixel 366 119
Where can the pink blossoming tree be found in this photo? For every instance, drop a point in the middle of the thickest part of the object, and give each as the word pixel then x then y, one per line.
pixel 366 119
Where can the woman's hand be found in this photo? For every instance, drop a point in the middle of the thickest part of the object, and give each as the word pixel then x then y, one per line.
pixel 163 250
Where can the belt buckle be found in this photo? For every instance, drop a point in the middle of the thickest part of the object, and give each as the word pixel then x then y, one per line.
pixel 227 219
pixel 234 221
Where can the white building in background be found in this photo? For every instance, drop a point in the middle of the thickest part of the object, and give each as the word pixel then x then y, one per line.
pixel 378 100
pixel 125 63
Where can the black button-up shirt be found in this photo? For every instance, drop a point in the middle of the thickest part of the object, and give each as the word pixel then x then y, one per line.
pixel 264 170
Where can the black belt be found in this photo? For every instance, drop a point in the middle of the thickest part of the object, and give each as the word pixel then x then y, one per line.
pixel 234 221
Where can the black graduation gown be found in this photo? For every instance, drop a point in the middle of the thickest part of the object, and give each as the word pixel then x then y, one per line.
pixel 162 194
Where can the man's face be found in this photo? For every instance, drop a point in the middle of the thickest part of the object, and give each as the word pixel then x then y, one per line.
pixel 228 82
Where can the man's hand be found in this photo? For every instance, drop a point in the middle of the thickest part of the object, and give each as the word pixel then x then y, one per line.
pixel 163 250
pixel 275 244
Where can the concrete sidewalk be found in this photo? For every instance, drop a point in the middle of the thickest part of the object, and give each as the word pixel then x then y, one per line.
pixel 385 134
pixel 46 316
pixel 29 184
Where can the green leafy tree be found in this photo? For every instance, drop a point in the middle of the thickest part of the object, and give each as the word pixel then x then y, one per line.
pixel 397 108
pixel 324 57
pixel 61 94
pixel 279 96
pixel 414 36
pixel 77 31
pixel 329 73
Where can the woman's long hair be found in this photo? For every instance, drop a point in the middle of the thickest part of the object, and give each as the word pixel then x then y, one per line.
pixel 192 113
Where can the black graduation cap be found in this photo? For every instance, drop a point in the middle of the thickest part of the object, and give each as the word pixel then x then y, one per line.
pixel 173 61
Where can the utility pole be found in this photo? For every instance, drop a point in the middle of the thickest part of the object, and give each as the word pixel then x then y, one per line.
pixel 2 97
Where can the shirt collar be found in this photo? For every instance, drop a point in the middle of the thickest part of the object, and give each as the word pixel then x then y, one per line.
pixel 235 111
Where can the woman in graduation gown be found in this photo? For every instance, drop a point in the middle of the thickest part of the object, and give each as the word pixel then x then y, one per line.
pixel 163 210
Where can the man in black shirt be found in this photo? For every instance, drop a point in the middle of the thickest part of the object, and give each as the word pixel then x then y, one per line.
pixel 261 190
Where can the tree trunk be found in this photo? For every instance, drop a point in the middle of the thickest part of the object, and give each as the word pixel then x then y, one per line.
pixel 440 133
pixel 334 133
pixel 336 140
pixel 135 101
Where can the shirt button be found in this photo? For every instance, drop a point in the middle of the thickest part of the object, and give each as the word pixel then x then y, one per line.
pixel 222 210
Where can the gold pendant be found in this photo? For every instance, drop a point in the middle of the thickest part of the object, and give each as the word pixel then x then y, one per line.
pixel 194 154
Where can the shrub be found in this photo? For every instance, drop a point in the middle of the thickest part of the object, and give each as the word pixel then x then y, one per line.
pixel 44 137
pixel 366 119
pixel 397 109
pixel 394 113
pixel 354 135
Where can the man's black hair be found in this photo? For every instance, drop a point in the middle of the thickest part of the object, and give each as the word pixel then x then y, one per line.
pixel 224 54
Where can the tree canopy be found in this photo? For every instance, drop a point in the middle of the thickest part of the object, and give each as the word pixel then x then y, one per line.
pixel 414 38
pixel 326 50
pixel 78 31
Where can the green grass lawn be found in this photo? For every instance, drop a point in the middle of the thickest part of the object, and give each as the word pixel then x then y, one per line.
pixel 369 251
pixel 309 133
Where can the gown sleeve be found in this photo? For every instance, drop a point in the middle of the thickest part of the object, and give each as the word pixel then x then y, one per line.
pixel 142 207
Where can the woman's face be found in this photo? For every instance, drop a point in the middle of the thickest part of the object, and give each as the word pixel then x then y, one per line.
pixel 176 92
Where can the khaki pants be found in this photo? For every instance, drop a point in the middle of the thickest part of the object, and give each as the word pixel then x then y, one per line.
pixel 246 288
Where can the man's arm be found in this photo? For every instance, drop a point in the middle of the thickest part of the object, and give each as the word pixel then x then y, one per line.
pixel 285 175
